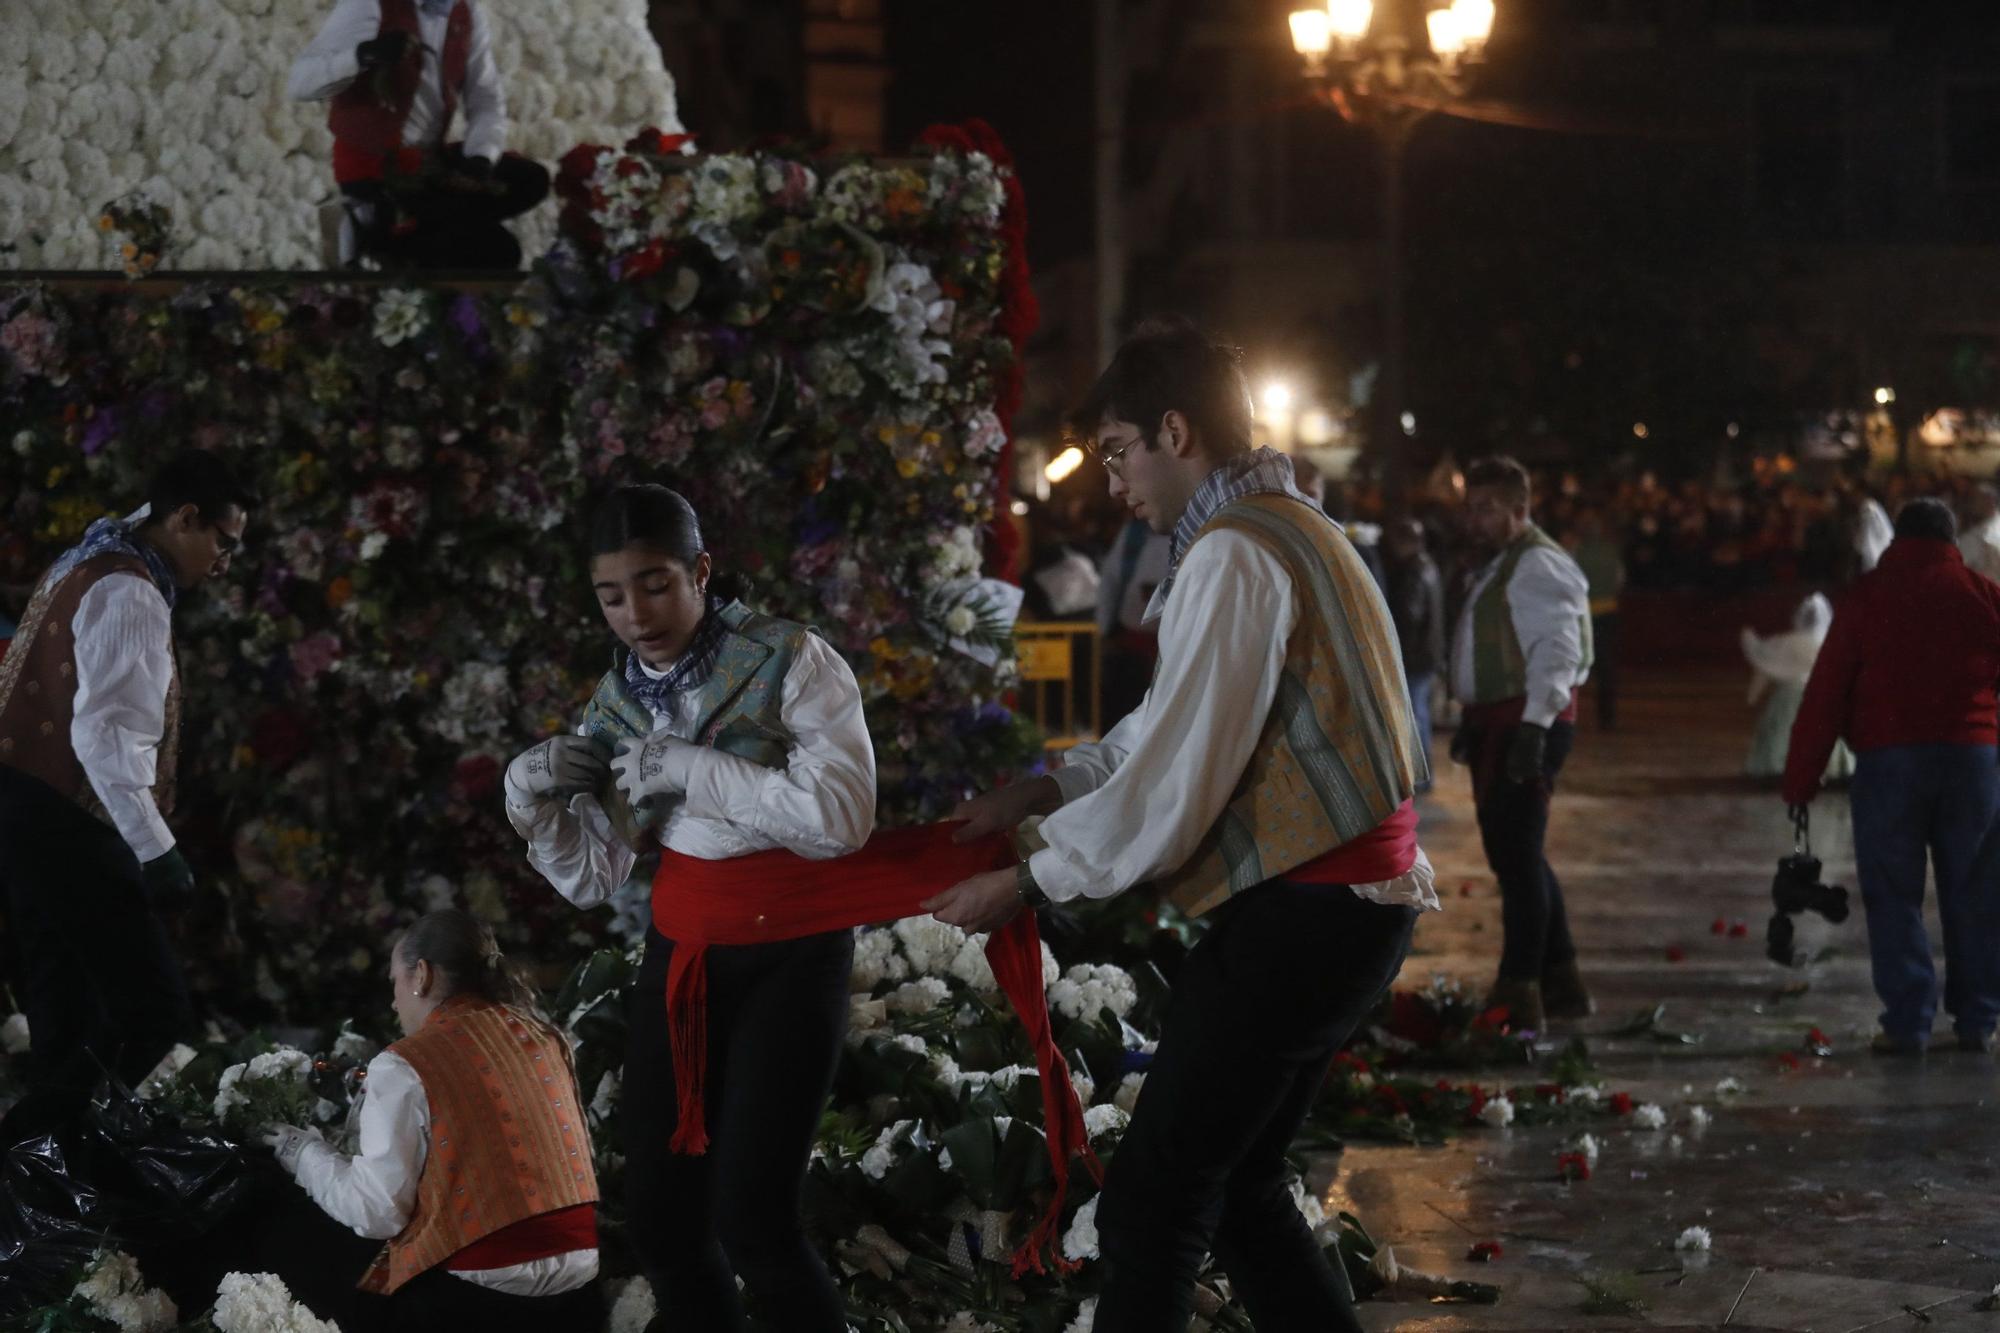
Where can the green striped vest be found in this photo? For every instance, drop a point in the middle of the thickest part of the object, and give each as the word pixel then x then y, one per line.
pixel 737 709
pixel 1499 666
pixel 1339 752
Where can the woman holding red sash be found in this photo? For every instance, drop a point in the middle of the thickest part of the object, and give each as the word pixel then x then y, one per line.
pixel 724 738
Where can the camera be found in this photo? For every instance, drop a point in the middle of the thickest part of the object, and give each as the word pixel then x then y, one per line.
pixel 1796 888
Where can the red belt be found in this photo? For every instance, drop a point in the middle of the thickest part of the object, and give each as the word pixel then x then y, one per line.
pixel 779 895
pixel 358 164
pixel 540 1237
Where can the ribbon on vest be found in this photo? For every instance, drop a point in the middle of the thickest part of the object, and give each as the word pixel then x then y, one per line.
pixel 778 895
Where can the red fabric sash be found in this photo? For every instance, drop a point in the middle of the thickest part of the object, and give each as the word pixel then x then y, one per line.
pixel 351 163
pixel 779 895
pixel 542 1237
pixel 1384 852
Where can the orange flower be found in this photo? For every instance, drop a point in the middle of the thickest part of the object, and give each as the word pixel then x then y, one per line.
pixel 105 222
pixel 339 592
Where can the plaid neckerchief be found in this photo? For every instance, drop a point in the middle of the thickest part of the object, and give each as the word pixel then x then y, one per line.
pixel 690 670
pixel 1260 471
pixel 115 534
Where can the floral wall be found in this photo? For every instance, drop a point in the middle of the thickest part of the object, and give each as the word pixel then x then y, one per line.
pixel 820 354
pixel 185 99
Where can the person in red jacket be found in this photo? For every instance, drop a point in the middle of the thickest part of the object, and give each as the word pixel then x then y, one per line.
pixel 1907 676
pixel 393 73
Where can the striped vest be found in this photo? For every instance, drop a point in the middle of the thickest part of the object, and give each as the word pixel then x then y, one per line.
pixel 1499 666
pixel 508 1140
pixel 737 708
pixel 1339 751
pixel 38 690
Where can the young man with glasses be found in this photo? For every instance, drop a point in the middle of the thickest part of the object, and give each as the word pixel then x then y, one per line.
pixel 89 711
pixel 1265 784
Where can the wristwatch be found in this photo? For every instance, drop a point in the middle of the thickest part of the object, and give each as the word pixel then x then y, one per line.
pixel 1031 892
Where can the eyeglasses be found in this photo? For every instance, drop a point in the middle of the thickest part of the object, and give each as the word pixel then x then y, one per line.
pixel 1110 457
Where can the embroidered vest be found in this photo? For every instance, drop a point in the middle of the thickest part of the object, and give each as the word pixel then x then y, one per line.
pixel 1339 751
pixel 1499 665
pixel 38 690
pixel 508 1140
pixel 370 116
pixel 737 708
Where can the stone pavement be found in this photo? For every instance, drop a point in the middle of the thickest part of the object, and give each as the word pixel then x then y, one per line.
pixel 1854 1192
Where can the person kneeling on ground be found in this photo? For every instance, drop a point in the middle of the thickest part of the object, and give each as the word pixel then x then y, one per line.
pixel 474 1164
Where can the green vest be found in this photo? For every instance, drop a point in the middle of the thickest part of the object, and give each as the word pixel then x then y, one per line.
pixel 737 708
pixel 1338 752
pixel 1499 666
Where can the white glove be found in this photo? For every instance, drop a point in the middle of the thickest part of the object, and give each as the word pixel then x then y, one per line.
pixel 652 770
pixel 561 766
pixel 289 1142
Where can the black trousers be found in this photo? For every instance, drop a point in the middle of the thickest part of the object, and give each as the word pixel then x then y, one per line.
pixel 321 1261
pixel 1259 1009
pixel 1514 825
pixel 436 224
pixel 776 1017
pixel 99 979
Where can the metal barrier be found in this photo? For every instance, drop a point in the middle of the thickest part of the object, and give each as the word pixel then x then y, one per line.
pixel 1062 670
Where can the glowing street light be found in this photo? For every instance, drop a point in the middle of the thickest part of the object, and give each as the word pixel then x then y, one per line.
pixel 1277 398
pixel 1885 396
pixel 1064 463
pixel 1312 34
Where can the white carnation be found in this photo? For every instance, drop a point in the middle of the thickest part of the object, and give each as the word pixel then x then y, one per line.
pixel 1127 1096
pixel 1086 1317
pixel 1498 1112
pixel 1699 1117
pixel 1088 989
pixel 1694 1238
pixel 1649 1116
pixel 1080 1241
pixel 1587 1145
pixel 114 1289
pixel 634 1307
pixel 1101 1120
pixel 875 1163
pixel 917 997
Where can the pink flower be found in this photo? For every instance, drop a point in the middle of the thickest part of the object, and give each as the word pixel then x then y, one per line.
pixel 314 655
pixel 30 339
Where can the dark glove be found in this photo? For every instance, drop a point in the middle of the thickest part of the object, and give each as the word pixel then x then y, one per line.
pixel 1525 753
pixel 1461 745
pixel 169 882
pixel 386 50
pixel 476 168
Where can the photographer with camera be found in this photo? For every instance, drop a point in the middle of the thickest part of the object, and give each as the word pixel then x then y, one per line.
pixel 1907 676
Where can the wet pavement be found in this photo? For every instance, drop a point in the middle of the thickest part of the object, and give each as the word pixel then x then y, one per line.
pixel 1851 1192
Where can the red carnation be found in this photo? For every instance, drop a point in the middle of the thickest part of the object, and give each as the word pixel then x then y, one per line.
pixel 1486 1251
pixel 1787 1061
pixel 1572 1166
pixel 1621 1103
pixel 477 777
pixel 1738 930
pixel 1676 954
pixel 1719 927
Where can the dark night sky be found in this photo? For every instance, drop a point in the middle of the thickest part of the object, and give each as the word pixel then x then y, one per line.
pixel 1024 66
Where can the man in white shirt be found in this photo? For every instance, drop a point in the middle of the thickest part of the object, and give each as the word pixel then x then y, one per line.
pixel 393 73
pixel 1979 532
pixel 1520 651
pixel 1265 782
pixel 89 705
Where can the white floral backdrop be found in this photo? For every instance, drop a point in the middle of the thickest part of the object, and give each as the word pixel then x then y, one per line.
pixel 186 99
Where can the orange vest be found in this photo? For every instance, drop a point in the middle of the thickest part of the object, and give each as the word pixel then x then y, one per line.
pixel 508 1140
pixel 38 689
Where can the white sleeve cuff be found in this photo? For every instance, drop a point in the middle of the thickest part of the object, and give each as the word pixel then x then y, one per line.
pixel 1075 781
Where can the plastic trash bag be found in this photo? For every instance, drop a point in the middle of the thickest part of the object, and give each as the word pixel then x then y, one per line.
pixel 50 1224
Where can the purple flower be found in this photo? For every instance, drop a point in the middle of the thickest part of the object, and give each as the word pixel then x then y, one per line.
pixel 103 426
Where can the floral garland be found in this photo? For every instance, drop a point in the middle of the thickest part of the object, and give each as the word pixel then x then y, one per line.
pixel 415 606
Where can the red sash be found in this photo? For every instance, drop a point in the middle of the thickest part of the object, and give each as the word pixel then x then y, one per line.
pixel 779 895
pixel 1384 852
pixel 542 1237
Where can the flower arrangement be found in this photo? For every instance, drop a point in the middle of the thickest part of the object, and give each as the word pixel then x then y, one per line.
pixel 144 229
pixel 417 595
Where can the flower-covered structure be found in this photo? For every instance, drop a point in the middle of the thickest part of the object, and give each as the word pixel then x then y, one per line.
pixel 183 101
pixel 820 354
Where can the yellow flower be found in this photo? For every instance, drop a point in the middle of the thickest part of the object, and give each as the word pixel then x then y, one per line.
pixel 907 468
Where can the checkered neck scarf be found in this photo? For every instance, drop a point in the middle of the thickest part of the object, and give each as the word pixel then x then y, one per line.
pixel 1258 472
pixel 116 534
pixel 689 671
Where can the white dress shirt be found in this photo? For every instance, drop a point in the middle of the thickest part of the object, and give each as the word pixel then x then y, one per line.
pixel 123 637
pixel 329 65
pixel 374 1192
pixel 1548 599
pixel 821 804
pixel 1980 545
pixel 1137 803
